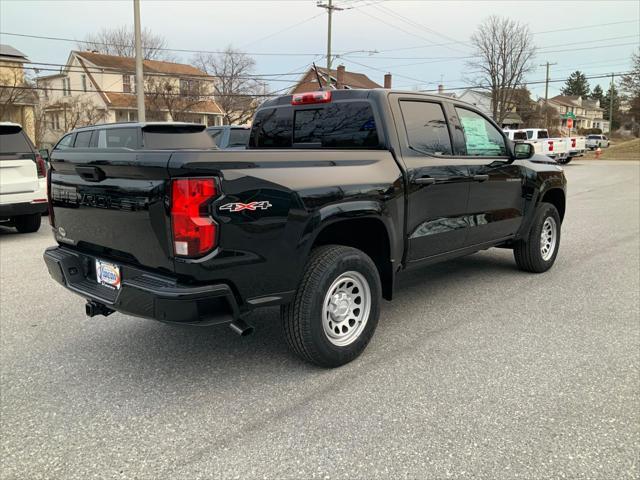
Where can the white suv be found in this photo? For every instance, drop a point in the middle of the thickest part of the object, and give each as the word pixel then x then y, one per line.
pixel 23 180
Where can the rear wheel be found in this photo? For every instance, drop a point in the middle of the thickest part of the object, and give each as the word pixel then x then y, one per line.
pixel 537 253
pixel 335 310
pixel 28 223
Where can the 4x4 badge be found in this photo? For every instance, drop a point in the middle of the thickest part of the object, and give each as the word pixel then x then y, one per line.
pixel 253 206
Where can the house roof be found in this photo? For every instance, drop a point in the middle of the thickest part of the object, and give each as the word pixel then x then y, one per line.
pixel 569 100
pixel 127 101
pixel 10 54
pixel 309 82
pixel 128 64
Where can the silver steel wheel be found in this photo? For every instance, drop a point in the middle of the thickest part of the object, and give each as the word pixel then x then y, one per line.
pixel 346 308
pixel 548 238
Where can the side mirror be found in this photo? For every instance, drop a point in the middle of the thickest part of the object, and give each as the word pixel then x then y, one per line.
pixel 44 153
pixel 523 151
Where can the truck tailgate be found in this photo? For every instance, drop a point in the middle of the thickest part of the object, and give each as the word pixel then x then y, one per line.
pixel 113 206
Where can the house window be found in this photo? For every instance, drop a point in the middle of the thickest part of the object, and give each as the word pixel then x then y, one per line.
pixel 84 82
pixel 189 87
pixel 66 87
pixel 126 83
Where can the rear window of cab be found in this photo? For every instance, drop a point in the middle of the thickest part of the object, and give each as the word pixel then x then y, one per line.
pixel 340 125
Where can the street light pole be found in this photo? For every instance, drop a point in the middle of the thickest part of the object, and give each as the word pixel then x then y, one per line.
pixel 139 70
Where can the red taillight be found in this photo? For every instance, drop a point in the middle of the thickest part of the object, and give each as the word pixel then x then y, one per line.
pixel 41 167
pixel 551 146
pixel 311 97
pixel 573 143
pixel 194 232
pixel 50 203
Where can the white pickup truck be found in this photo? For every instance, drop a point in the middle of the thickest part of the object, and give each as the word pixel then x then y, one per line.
pixel 561 149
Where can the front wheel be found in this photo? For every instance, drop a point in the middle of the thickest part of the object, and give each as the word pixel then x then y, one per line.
pixel 537 253
pixel 335 310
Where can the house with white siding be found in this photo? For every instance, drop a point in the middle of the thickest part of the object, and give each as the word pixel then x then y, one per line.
pixel 96 88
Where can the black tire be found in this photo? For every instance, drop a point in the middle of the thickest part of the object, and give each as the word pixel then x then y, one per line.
pixel 302 319
pixel 28 223
pixel 527 252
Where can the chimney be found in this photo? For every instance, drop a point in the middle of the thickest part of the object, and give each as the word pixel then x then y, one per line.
pixel 387 80
pixel 340 77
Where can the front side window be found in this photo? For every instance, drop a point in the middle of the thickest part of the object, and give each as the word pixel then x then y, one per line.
pixel 481 138
pixel 426 127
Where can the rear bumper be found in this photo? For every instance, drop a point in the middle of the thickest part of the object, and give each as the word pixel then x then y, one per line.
pixel 9 210
pixel 142 293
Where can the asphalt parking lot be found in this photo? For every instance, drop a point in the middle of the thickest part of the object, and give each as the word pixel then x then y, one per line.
pixel 477 370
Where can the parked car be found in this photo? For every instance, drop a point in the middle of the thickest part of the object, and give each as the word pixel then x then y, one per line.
pixel 595 141
pixel 561 149
pixel 23 184
pixel 230 137
pixel 337 194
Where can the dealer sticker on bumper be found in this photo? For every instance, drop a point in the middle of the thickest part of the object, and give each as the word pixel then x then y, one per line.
pixel 108 274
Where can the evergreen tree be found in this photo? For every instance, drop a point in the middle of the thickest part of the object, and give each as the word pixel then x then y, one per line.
pixel 597 94
pixel 613 91
pixel 576 85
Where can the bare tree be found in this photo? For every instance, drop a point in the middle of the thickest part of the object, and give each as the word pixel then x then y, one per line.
pixel 176 97
pixel 121 41
pixel 234 88
pixel 504 52
pixel 77 112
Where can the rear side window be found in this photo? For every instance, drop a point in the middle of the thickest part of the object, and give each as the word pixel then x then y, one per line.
pixel 118 138
pixel 172 140
pixel 335 125
pixel 12 140
pixel 238 137
pixel 543 134
pixel 216 135
pixel 426 127
pixel 65 142
pixel 83 139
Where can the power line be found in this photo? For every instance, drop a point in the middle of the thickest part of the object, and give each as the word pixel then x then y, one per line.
pixel 182 50
pixel 286 29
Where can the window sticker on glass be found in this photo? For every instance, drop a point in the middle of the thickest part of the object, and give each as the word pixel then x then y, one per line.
pixel 481 137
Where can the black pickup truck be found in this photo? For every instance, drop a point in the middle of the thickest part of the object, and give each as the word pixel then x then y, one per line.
pixel 337 193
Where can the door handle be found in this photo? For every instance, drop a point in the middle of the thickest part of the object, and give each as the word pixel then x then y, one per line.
pixel 424 180
pixel 480 178
pixel 91 174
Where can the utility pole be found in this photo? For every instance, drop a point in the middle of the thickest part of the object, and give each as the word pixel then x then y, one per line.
pixel 546 93
pixel 139 71
pixel 330 8
pixel 611 106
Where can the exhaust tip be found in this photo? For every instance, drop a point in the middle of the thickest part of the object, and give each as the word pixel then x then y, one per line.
pixel 241 327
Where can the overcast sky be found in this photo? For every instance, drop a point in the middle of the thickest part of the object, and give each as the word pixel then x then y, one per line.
pixel 597 37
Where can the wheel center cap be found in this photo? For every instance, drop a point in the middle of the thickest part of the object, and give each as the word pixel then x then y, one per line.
pixel 340 305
